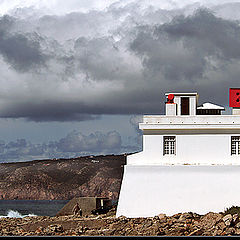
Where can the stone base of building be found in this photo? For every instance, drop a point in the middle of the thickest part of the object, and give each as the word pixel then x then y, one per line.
pixel 147 191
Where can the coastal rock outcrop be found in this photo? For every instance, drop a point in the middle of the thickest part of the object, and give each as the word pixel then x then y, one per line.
pixel 182 224
pixel 62 179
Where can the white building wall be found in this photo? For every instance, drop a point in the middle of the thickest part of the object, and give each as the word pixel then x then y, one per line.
pixel 205 149
pixel 193 105
pixel 171 109
pixel 177 100
pixel 147 191
pixel 152 144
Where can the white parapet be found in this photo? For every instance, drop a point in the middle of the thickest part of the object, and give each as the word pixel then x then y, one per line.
pixel 147 191
pixel 236 111
pixel 198 121
pixel 171 109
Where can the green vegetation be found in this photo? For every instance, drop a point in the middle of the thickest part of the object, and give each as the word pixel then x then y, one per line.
pixel 232 210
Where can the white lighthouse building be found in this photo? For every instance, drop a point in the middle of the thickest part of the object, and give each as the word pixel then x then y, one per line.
pixel 190 160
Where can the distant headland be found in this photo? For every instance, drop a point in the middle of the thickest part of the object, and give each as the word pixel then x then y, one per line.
pixel 62 179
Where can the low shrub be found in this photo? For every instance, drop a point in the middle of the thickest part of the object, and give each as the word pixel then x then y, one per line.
pixel 232 210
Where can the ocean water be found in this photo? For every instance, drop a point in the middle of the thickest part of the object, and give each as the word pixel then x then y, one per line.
pixel 23 208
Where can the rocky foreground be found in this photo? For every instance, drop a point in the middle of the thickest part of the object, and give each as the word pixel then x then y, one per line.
pixel 186 224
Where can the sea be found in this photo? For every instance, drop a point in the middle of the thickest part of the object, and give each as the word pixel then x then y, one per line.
pixel 25 208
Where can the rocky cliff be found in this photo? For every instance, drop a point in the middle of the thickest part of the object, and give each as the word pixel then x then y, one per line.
pixel 62 178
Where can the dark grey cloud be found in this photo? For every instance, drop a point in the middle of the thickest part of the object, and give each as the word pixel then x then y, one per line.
pixel 204 31
pixel 182 48
pixel 21 51
pixel 191 53
pixel 78 66
pixel 54 111
pixel 6 23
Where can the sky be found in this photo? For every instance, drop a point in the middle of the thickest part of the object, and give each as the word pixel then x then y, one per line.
pixel 77 75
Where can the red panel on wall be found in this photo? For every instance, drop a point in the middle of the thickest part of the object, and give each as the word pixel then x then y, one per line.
pixel 234 97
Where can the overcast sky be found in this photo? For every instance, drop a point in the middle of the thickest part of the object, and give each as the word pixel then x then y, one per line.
pixel 77 75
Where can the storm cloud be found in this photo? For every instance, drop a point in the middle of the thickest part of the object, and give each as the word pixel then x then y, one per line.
pixel 80 65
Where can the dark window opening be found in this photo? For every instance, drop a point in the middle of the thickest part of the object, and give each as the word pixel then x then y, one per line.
pixel 184 105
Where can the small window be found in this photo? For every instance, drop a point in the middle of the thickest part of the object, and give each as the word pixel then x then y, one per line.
pixel 169 147
pixel 235 145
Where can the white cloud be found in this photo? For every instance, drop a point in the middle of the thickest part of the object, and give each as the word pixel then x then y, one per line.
pixel 61 7
pixel 56 7
pixel 75 144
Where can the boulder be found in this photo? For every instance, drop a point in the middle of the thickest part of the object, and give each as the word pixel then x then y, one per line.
pixel 185 216
pixel 209 220
pixel 235 219
pixel 228 219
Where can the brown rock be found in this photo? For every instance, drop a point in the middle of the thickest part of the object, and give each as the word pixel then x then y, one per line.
pixel 185 216
pixel 235 219
pixel 177 215
pixel 237 225
pixel 221 226
pixel 209 220
pixel 237 231
pixel 54 228
pixel 161 232
pixel 217 232
pixel 196 232
pixel 229 231
pixel 147 223
pixel 227 220
pixel 123 219
pixel 161 216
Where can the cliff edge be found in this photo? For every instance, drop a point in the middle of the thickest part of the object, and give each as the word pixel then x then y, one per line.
pixel 62 179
